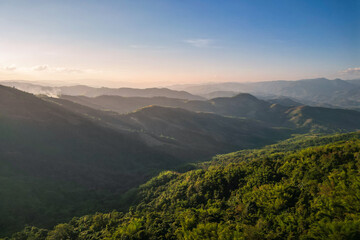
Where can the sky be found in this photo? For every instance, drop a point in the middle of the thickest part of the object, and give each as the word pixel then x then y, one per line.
pixel 165 42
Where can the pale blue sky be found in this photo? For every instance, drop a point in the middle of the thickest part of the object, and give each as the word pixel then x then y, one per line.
pixel 171 41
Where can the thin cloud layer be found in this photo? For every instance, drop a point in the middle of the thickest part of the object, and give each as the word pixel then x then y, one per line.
pixel 45 68
pixel 10 68
pixel 352 71
pixel 67 70
pixel 200 42
pixel 40 68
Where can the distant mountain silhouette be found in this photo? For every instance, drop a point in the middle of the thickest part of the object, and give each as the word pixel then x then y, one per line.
pixel 317 92
pixel 217 94
pixel 82 90
pixel 314 92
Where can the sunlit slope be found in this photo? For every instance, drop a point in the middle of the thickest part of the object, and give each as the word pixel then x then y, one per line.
pixel 324 118
pixel 310 193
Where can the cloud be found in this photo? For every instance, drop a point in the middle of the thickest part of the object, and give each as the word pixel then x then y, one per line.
pixel 47 68
pixel 200 42
pixel 138 46
pixel 146 47
pixel 10 68
pixel 67 70
pixel 351 71
pixel 40 68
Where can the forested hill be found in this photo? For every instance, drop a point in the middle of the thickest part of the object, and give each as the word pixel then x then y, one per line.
pixel 242 105
pixel 55 164
pixel 278 192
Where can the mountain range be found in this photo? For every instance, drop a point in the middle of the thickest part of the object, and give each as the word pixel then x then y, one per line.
pixel 181 132
pixel 316 92
pixel 241 106
pixel 51 156
pixel 68 156
pixel 321 92
pixel 82 90
pixel 71 160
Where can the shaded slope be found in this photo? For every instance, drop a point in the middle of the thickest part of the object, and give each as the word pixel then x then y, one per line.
pixel 55 164
pixel 185 133
pixel 38 129
pixel 202 132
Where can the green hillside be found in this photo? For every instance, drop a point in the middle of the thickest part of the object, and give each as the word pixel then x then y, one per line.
pixel 55 164
pixel 324 118
pixel 286 191
pixel 60 159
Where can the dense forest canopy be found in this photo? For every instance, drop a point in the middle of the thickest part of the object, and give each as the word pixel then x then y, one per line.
pixel 304 188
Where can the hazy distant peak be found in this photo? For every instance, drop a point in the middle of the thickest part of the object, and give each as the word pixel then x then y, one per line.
pixel 246 96
pixel 83 90
pixel 315 79
pixel 156 109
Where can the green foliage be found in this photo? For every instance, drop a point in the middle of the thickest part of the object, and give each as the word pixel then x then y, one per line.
pixel 313 193
pixel 297 142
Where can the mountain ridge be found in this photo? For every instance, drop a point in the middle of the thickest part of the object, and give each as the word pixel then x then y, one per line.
pixel 83 90
pixel 50 155
pixel 315 92
pixel 242 105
